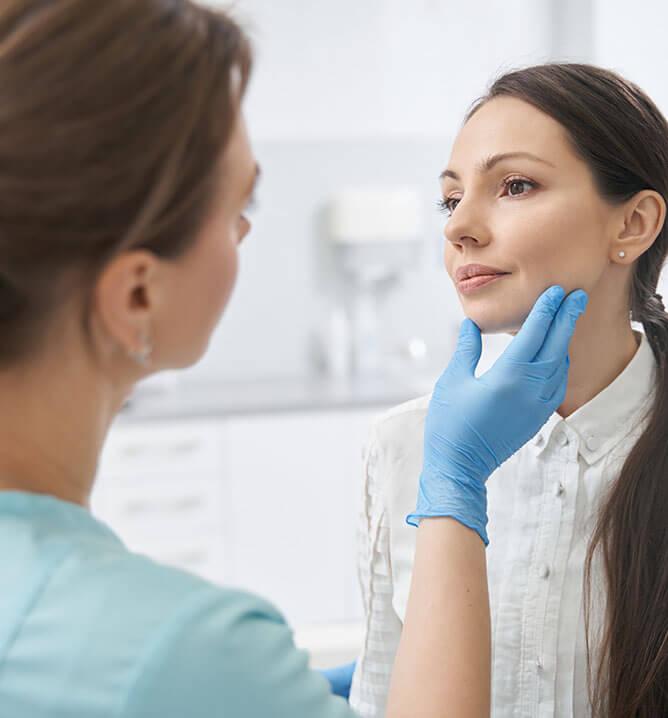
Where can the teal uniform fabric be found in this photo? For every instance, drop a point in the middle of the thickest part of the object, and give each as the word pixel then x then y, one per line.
pixel 91 630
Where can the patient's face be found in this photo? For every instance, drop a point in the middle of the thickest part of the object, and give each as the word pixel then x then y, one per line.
pixel 539 218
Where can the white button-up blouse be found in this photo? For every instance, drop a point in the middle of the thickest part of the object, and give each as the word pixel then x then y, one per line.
pixel 542 509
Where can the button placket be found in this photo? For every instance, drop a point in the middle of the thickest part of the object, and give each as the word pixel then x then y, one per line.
pixel 535 643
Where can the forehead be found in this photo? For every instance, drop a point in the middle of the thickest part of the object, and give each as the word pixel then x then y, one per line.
pixel 506 124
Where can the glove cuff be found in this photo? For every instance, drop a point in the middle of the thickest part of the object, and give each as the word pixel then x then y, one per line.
pixel 480 528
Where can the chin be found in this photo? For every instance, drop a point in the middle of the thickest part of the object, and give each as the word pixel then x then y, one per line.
pixel 497 322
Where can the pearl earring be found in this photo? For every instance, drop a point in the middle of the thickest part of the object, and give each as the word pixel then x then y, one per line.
pixel 143 355
pixel 622 254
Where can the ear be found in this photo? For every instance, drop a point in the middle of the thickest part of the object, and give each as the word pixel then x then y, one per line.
pixel 644 215
pixel 127 298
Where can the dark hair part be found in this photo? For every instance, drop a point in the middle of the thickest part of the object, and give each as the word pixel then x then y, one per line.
pixel 622 136
pixel 113 120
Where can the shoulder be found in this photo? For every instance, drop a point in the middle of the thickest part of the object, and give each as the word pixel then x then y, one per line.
pixel 393 456
pixel 142 591
pixel 393 477
pixel 401 425
pixel 127 602
pixel 395 449
pixel 226 652
pixel 151 640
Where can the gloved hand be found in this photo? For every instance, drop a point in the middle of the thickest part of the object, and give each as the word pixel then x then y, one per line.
pixel 340 678
pixel 474 424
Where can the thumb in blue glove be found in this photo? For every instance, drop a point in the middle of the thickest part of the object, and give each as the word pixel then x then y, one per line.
pixel 474 424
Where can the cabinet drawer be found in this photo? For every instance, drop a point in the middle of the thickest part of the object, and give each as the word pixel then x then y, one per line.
pixel 171 507
pixel 174 448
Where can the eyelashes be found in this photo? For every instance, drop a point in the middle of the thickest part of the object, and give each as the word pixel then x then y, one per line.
pixel 447 205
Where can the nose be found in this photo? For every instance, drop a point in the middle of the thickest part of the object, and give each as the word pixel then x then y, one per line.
pixel 466 226
pixel 244 229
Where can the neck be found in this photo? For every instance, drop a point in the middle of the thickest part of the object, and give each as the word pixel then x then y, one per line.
pixel 603 345
pixel 55 418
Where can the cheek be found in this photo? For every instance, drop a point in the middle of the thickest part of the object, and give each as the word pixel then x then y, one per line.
pixel 211 287
pixel 551 244
pixel 222 271
pixel 560 243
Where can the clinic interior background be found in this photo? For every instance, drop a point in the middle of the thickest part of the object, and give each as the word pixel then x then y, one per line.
pixel 247 468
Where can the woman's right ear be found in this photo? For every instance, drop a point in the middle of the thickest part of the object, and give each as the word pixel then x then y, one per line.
pixel 126 298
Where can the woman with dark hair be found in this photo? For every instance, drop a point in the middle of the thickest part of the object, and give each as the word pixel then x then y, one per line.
pixel 559 174
pixel 125 170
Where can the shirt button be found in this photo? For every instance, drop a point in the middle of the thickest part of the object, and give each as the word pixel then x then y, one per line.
pixel 593 443
pixel 544 571
pixel 559 489
pixel 538 441
pixel 539 663
pixel 563 440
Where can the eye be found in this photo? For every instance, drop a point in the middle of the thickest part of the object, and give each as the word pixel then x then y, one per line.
pixel 447 205
pixel 517 186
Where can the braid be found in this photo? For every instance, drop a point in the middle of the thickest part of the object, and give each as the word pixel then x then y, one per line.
pixel 655 322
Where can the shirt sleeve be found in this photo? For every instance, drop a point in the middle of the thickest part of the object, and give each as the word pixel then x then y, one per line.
pixel 228 654
pixel 371 681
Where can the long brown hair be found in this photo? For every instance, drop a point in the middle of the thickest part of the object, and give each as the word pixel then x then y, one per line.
pixel 113 119
pixel 622 136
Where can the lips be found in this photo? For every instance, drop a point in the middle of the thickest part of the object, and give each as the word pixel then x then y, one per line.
pixel 474 276
pixel 476 270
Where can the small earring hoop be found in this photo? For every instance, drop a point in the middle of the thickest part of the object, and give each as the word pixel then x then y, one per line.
pixel 622 254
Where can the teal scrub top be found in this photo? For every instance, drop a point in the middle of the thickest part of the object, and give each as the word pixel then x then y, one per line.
pixel 91 630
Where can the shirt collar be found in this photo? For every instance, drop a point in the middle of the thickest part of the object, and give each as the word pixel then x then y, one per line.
pixel 601 423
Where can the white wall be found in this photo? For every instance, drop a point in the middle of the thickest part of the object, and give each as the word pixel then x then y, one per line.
pixel 353 92
pixel 373 92
pixel 631 38
pixel 382 67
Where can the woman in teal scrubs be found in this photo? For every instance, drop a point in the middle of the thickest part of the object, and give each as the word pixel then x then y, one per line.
pixel 125 169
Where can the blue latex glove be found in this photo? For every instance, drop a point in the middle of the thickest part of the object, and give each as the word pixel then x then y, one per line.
pixel 474 424
pixel 340 679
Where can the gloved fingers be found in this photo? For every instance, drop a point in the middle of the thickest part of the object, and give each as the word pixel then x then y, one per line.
pixel 340 678
pixel 554 383
pixel 469 348
pixel 562 328
pixel 556 398
pixel 530 338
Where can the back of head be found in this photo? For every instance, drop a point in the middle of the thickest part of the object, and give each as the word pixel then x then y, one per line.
pixel 113 118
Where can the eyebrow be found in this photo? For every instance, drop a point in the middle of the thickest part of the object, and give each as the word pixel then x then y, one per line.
pixel 487 164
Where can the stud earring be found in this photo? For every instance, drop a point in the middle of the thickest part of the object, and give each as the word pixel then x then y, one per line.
pixel 142 355
pixel 622 254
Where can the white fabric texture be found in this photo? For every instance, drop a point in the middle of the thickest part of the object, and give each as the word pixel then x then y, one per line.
pixel 543 504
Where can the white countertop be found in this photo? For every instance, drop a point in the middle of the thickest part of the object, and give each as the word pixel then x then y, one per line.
pixel 268 396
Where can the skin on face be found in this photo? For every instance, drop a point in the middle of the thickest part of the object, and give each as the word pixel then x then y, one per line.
pixel 175 305
pixel 543 219
pixel 202 281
